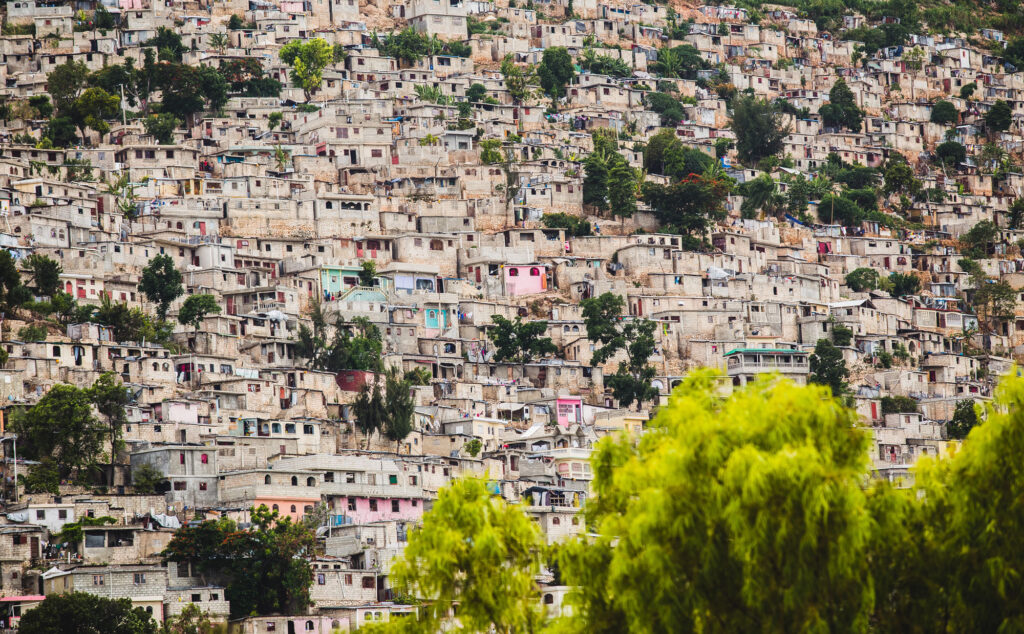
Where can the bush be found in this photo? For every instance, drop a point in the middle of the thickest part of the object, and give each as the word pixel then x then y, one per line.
pixel 898 405
pixel 32 333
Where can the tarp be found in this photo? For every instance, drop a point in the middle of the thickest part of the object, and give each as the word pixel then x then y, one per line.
pixel 167 521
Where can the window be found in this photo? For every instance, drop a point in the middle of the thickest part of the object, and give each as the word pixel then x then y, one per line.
pixel 266 479
pixel 181 458
pixel 97 580
pixel 196 598
pixel 294 509
pixel 351 504
pixel 393 478
pixel 513 272
pixel 307 430
pixel 373 505
pixel 180 486
pixel 40 515
pixel 202 486
pixel 348 580
pixel 309 626
pixel 394 506
pixel 369 583
pixel 62 514
pixel 295 481
pixel 276 508
pixel 139 578
pixel 311 481
pixel 271 626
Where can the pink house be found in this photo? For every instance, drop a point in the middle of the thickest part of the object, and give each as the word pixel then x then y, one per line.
pixel 372 509
pixel 569 410
pixel 525 279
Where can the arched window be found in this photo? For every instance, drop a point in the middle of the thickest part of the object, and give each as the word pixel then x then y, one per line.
pixel 295 481
pixel 309 626
pixel 513 272
pixel 275 507
pixel 311 481
pixel 556 521
pixel 156 366
pixel 178 225
pixel 549 599
pixel 308 508
pixel 534 272
pixel 266 479
pixel 294 508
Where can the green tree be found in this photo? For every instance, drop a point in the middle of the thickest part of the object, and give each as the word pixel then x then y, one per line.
pixel 574 225
pixel 519 341
pixel 92 109
pixel 979 240
pixel 761 194
pixel 899 179
pixel 370 410
pixel 1015 218
pixel 85 613
pixel 841 335
pixel 622 188
pixel 65 83
pixel 42 105
pixel 45 273
pixel 517 80
pixel 999 117
pixel 944 112
pixel 12 292
pixel 161 283
pixel 191 620
pixel 266 565
pixel 308 60
pixel 994 301
pixel 168 44
pixel 61 426
pixel 903 284
pixel 690 206
pixel 476 92
pixel 950 154
pixel 834 209
pixel 828 367
pixel 400 408
pixel 759 127
pixel 863 279
pixel 967 90
pixel 555 71
pixel 730 515
pixel 595 183
pixel 841 110
pixel 235 22
pixel 476 552
pixel 161 127
pixel 965 418
pixel 274 120
pixel 367 273
pixel 632 381
pixel 196 308
pixel 110 397
pixel 146 478
pixel 898 405
pixel 490 151
pixel 218 41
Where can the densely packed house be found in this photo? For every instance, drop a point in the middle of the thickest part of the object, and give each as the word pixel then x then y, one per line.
pixel 456 171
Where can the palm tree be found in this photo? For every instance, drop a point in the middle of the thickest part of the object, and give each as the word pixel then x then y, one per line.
pixel 280 158
pixel 219 41
pixel 669 62
pixel 430 139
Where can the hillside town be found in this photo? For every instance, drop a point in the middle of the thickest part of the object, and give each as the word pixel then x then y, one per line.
pixel 326 260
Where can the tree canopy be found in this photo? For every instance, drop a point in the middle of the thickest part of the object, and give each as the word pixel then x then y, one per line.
pixel 161 283
pixel 86 613
pixel 266 566
pixel 519 341
pixel 308 60
pixel 760 128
